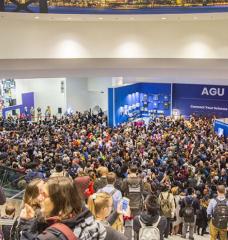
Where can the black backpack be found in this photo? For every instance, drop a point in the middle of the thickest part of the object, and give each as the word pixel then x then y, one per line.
pixel 220 214
pixel 188 212
pixel 134 193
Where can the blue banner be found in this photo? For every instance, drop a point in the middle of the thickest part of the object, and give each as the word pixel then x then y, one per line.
pixel 201 99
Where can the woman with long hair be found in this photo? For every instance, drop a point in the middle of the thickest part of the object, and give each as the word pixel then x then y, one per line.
pixel 65 216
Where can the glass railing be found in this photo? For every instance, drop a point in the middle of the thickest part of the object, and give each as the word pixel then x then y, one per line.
pixel 11 178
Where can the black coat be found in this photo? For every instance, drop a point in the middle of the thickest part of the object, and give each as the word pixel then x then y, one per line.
pixel 149 220
pixel 83 222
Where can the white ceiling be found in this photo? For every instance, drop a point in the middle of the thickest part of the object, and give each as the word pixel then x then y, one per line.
pixel 112 17
pixel 132 70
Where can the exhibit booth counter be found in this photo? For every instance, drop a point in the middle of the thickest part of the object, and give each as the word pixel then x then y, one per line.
pixel 151 100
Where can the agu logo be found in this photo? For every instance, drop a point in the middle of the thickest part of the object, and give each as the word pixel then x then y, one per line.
pixel 213 91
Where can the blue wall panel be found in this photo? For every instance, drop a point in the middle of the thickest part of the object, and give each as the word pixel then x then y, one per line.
pixel 201 99
pixel 138 100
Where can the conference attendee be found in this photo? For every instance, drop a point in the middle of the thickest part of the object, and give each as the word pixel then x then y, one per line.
pixel 167 206
pixel 31 197
pixel 217 212
pixel 65 216
pixel 132 188
pixel 101 206
pixel 9 214
pixel 150 217
pixel 110 189
pixel 116 197
pixel 189 206
pixel 59 171
pixel 101 181
pixel 178 220
pixel 39 114
pixel 32 114
pixel 48 113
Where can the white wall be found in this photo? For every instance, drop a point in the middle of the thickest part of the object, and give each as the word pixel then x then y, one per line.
pixel 47 91
pixel 84 93
pixel 98 92
pixel 77 94
pixel 132 39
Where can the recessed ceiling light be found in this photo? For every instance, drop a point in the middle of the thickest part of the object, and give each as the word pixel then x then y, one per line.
pixel 132 18
pixel 69 18
pixel 36 17
pixel 195 18
pixel 163 18
pixel 100 18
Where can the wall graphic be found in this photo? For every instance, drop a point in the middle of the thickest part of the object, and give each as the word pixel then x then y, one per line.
pixel 207 100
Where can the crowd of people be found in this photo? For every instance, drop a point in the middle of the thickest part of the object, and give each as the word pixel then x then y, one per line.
pixel 84 180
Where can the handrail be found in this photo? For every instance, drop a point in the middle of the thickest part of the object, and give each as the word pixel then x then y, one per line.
pixel 18 179
pixel 18 194
pixel 11 169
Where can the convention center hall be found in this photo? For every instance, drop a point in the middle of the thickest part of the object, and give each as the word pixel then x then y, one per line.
pixel 113 119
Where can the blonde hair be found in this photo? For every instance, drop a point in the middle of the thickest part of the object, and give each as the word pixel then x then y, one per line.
pixel 175 190
pixel 102 171
pixel 98 201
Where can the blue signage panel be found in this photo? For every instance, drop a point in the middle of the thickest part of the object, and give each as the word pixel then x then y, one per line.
pixel 201 99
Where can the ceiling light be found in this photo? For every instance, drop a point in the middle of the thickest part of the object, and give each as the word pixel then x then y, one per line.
pixel 36 17
pixel 163 18
pixel 195 18
pixel 132 18
pixel 100 18
pixel 69 18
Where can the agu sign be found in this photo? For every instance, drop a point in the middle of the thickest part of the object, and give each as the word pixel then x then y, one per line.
pixel 201 99
pixel 213 91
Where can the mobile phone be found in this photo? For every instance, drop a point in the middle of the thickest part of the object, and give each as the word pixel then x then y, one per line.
pixel 125 204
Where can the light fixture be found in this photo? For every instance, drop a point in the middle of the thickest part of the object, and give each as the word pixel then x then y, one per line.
pixel 163 18
pixel 69 18
pixel 195 18
pixel 36 17
pixel 132 18
pixel 100 18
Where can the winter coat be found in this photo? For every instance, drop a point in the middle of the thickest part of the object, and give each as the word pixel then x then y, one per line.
pixel 149 220
pixel 83 225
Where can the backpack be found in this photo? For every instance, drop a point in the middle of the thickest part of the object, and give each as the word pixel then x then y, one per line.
pixel 134 194
pixel 166 206
pixel 149 232
pixel 220 214
pixel 188 212
pixel 60 227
